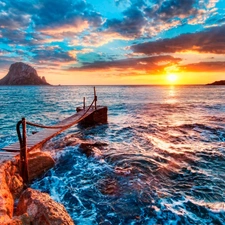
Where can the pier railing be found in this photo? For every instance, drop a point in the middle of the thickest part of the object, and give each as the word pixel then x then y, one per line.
pixel 24 170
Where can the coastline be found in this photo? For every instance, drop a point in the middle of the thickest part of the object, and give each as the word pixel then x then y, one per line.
pixel 22 205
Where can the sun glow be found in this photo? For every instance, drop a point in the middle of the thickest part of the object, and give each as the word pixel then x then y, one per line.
pixel 172 78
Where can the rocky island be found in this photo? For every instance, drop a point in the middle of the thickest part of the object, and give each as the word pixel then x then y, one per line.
pixel 22 74
pixel 220 82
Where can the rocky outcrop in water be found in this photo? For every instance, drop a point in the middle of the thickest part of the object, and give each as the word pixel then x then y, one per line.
pixel 220 82
pixel 41 209
pixel 11 187
pixel 92 149
pixel 22 74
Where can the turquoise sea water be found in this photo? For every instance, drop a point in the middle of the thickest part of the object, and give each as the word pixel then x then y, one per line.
pixel 165 156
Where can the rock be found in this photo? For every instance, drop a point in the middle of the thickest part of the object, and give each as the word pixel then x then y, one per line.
pixel 43 79
pixel 22 74
pixel 41 209
pixel 109 186
pixel 220 82
pixel 39 163
pixel 92 149
pixel 68 140
pixel 122 171
pixel 15 184
pixel 6 198
pixel 13 179
pixel 19 220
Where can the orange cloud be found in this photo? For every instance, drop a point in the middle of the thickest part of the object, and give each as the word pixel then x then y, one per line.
pixel 100 38
pixel 204 67
pixel 75 27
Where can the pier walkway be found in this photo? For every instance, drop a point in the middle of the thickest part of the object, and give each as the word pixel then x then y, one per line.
pixel 90 115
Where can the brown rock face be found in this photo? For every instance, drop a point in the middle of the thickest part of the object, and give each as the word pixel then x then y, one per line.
pixel 42 210
pixel 19 220
pixel 39 163
pixel 13 179
pixel 6 198
pixel 22 74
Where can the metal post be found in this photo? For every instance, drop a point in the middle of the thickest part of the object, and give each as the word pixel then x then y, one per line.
pixel 23 154
pixel 95 98
pixel 84 102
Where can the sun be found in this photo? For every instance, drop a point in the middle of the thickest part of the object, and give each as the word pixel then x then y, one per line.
pixel 172 78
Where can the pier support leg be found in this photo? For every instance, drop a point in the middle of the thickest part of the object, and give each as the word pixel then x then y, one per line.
pixel 23 151
pixel 84 103
pixel 95 98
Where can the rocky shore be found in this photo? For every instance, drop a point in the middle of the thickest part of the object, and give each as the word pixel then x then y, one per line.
pixel 24 206
pixel 20 205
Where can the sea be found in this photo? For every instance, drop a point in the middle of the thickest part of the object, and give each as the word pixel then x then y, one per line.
pixel 161 158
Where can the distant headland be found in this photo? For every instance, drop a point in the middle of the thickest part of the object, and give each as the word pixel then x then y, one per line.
pixel 220 82
pixel 22 74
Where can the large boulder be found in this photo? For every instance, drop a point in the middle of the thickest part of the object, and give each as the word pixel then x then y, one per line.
pixel 22 74
pixel 42 210
pixel 39 163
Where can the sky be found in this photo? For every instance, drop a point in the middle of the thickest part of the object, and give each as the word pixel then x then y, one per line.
pixel 117 42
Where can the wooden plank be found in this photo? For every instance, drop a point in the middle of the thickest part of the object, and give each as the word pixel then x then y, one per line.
pixel 13 148
pixel 8 154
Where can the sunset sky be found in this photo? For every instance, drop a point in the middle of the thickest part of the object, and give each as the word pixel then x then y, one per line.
pixel 115 41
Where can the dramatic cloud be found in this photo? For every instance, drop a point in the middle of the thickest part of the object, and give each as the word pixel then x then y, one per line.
pixel 15 14
pixel 54 19
pixel 117 35
pixel 204 66
pixel 13 20
pixel 145 19
pixel 52 54
pixel 149 64
pixel 67 15
pixel 13 36
pixel 131 25
pixel 166 10
pixel 210 41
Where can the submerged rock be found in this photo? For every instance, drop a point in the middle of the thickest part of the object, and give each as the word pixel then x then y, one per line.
pixel 92 149
pixel 22 74
pixel 109 186
pixel 41 209
pixel 68 140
